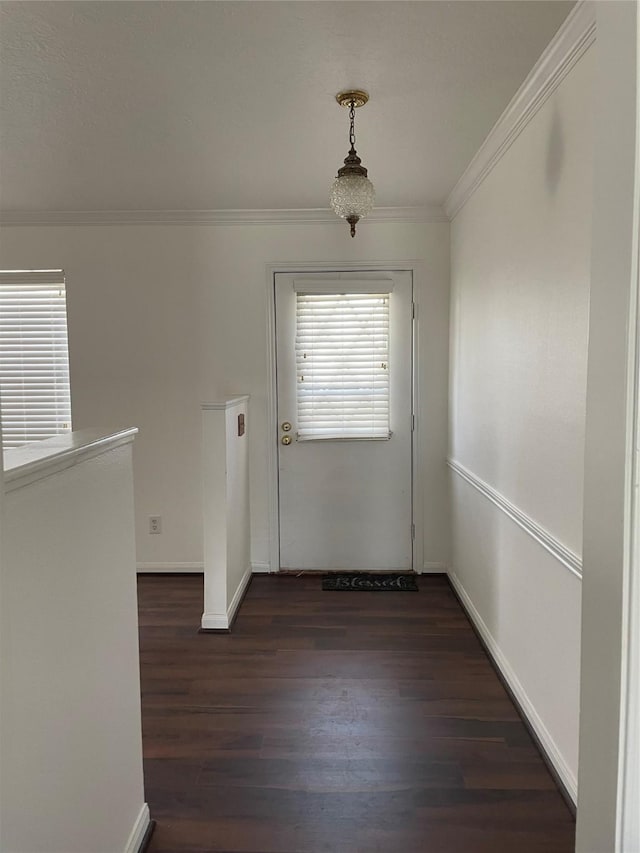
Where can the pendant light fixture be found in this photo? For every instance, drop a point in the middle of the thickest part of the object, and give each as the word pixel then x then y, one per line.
pixel 352 193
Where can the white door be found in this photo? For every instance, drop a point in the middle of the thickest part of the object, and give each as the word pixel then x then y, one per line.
pixel 344 385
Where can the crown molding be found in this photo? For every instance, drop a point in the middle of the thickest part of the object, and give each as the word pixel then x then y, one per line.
pixel 429 213
pixel 572 40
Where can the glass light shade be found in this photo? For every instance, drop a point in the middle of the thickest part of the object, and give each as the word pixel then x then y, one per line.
pixel 352 195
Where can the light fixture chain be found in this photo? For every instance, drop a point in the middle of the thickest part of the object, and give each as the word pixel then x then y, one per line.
pixel 352 118
pixel 352 193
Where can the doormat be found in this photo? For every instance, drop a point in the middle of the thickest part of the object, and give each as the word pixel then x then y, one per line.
pixel 362 582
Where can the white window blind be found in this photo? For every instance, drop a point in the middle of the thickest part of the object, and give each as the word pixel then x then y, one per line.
pixel 342 365
pixel 35 397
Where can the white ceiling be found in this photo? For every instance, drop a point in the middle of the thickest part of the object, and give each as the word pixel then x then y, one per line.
pixel 230 105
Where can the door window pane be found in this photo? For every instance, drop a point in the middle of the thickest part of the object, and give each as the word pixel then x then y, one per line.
pixel 342 365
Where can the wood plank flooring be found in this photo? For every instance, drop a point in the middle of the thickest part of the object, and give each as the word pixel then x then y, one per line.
pixel 349 722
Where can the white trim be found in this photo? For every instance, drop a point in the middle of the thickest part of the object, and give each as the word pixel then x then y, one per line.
pixel 434 569
pixel 419 286
pixel 260 568
pixel 40 459
pixel 214 622
pixel 543 537
pixel 224 404
pixel 223 621
pixel 347 285
pixel 272 425
pixel 627 818
pixel 555 756
pixel 417 270
pixel 572 40
pixel 628 821
pixel 139 828
pixel 141 568
pixel 429 213
pixel 237 598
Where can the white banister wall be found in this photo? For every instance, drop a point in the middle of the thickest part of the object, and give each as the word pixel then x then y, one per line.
pixel 71 772
pixel 226 521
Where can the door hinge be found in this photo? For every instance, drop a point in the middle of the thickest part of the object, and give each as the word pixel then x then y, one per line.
pixel 413 423
pixel 413 310
pixel 413 531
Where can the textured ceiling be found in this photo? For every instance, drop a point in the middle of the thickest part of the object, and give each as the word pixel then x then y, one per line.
pixel 222 105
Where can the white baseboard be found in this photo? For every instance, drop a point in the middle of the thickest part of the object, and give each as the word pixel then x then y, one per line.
pixel 433 569
pixel 553 753
pixel 237 598
pixel 261 568
pixel 139 828
pixel 256 568
pixel 169 567
pixel 223 621
pixel 214 622
pixel 438 568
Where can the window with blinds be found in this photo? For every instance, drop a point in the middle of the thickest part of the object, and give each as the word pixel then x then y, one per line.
pixel 342 365
pixel 35 397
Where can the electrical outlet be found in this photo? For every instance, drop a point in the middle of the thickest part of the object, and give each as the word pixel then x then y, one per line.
pixel 155 524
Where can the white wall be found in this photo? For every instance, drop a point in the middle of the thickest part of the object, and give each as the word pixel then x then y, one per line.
pixel 608 793
pixel 162 318
pixel 70 730
pixel 520 303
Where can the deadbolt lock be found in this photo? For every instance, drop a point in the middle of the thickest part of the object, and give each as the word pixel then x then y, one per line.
pixel 286 426
pixel 286 439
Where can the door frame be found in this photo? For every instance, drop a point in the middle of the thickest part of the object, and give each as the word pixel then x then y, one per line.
pixel 416 268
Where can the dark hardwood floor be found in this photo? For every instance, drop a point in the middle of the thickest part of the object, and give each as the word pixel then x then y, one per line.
pixel 334 721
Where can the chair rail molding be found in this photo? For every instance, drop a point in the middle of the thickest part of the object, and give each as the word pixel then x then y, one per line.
pixel 572 40
pixel 543 537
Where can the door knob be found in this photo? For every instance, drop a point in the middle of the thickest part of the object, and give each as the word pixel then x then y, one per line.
pixel 286 426
pixel 286 439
